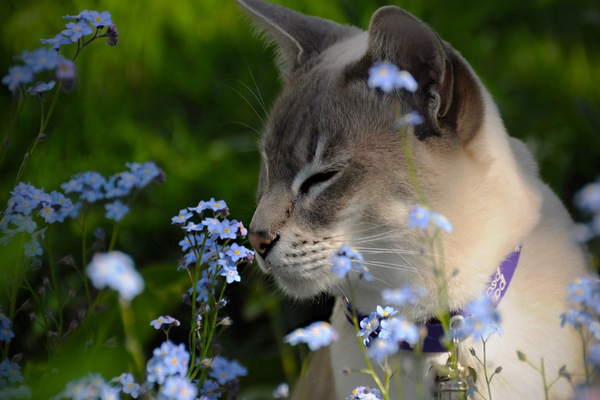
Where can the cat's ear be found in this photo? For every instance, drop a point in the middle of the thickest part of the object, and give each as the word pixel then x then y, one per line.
pixel 449 96
pixel 298 37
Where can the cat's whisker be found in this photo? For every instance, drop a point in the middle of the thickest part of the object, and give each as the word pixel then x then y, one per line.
pixel 260 98
pixel 240 123
pixel 249 103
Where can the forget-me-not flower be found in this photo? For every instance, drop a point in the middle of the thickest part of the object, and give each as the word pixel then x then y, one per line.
pixel 17 75
pixel 76 30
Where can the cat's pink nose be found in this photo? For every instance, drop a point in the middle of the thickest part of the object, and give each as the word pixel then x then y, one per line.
pixel 261 243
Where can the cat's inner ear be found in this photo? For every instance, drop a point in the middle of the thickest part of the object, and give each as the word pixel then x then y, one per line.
pixel 448 98
pixel 298 37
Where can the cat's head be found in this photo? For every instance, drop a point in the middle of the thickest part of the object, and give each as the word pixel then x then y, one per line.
pixel 333 166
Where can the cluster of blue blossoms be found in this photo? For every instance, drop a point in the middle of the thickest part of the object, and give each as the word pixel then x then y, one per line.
pixel 207 242
pixel 28 201
pixel 48 59
pixel 364 393
pixel 584 296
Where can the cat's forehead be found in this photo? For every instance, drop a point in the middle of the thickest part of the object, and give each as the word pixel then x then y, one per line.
pixel 319 117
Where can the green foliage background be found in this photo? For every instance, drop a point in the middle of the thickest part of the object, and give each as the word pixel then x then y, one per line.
pixel 182 88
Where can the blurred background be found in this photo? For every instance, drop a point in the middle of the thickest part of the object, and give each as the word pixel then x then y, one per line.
pixel 182 88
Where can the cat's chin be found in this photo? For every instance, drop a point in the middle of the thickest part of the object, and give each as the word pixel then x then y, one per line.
pixel 300 288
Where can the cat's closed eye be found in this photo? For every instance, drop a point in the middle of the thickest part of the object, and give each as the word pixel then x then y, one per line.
pixel 316 179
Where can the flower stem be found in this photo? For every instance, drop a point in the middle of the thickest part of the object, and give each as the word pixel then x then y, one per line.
pixel 485 371
pixel 43 127
pixel 131 342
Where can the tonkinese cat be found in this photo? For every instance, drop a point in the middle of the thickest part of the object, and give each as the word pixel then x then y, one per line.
pixel 334 172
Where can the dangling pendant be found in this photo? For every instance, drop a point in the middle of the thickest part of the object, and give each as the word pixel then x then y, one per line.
pixel 451 381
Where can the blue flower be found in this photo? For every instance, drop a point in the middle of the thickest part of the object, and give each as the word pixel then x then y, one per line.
pixel 387 77
pixel 187 243
pixel 209 390
pixel 583 290
pixel 224 371
pixel 158 322
pixel 91 195
pixel 213 225
pixel 40 59
pixel 23 223
pixel 412 118
pixel 65 70
pixel 4 321
pixel 385 312
pixel 403 296
pixel 6 335
pixel 236 252
pixel 11 371
pixel 230 273
pixel 362 393
pixel 77 30
pixel 183 216
pixel 74 185
pixel 32 248
pixel 482 319
pixel 146 172
pixel 419 217
pixel 17 75
pixel 49 214
pixel 216 205
pixel 57 41
pixel 129 386
pixel 576 318
pixel 178 388
pixel 228 230
pixel 316 335
pixel 442 222
pixel 115 270
pixel 156 371
pixel 78 17
pixel 282 391
pixel 588 198
pixel 99 20
pixel 345 259
pixel 380 349
pixel 401 329
pixel 369 324
pixel 341 265
pixel 116 210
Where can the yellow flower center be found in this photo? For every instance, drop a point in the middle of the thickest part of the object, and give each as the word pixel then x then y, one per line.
pixel 98 19
pixel 237 252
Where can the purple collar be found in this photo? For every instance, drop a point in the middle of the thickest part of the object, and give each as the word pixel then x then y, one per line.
pixel 495 290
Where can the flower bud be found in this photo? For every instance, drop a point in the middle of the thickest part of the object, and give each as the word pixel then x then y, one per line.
pixel 521 356
pixel 32 317
pixel 226 321
pixel 41 137
pixel 73 325
pixel 207 362
pixel 67 260
pixel 42 290
pixel 16 358
pixel 52 335
pixel 113 35
pixel 45 281
pixel 25 306
pixel 81 314
pixel 48 314
pixel 112 342
pixel 100 308
pixel 71 294
pixel 498 370
pixel 186 300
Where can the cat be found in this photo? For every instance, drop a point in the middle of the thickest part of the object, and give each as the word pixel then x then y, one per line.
pixel 334 172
